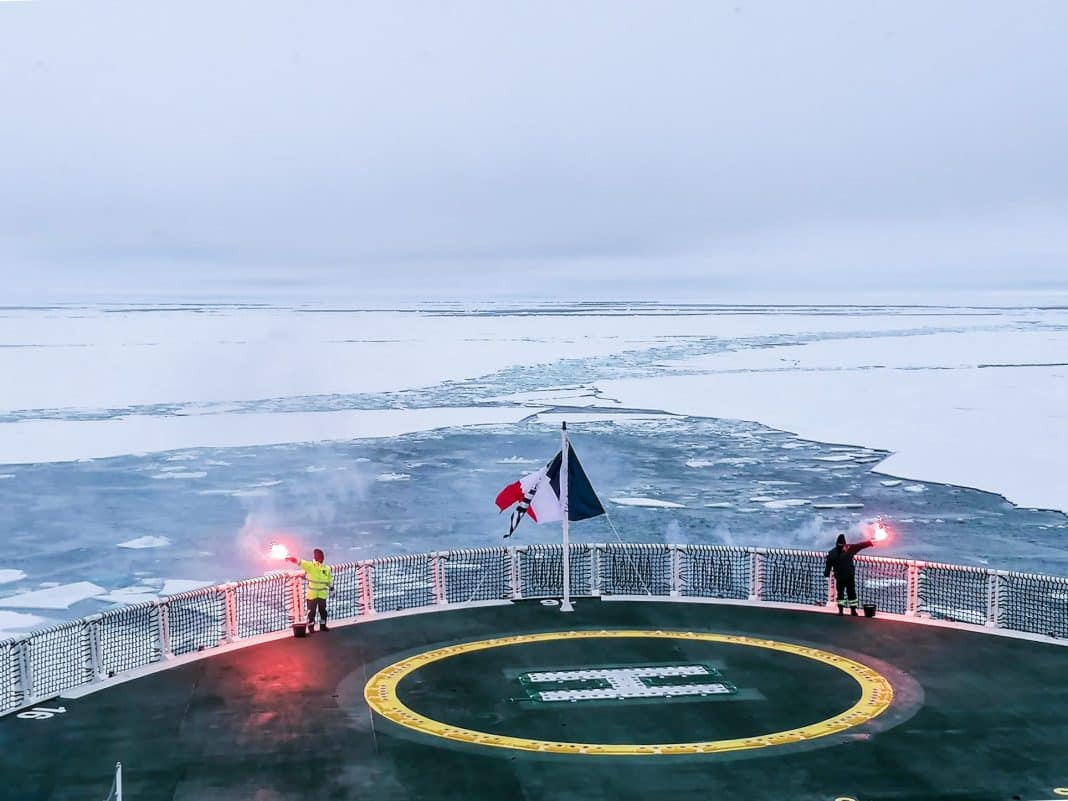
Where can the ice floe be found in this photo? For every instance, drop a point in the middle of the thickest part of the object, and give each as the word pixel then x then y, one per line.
pixel 785 503
pixel 62 596
pixel 175 586
pixel 182 474
pixel 392 477
pixel 129 595
pixel 837 506
pixel 8 575
pixel 894 482
pixel 651 503
pixel 14 623
pixel 148 541
pixel 701 462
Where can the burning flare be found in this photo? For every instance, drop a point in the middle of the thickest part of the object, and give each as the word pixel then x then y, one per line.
pixel 880 534
pixel 279 551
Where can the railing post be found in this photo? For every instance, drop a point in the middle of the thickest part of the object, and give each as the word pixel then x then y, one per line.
pixel 229 592
pixel 96 661
pixel 596 586
pixel 676 570
pixel 295 583
pixel 163 622
pixel 912 604
pixel 437 576
pixel 993 597
pixel 22 661
pixel 756 573
pixel 367 587
pixel 514 590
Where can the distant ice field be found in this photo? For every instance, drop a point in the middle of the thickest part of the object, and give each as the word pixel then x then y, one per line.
pixel 147 450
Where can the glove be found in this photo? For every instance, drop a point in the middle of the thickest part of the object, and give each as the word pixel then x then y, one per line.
pixel 292 559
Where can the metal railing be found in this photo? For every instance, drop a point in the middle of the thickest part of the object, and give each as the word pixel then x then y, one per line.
pixel 78 653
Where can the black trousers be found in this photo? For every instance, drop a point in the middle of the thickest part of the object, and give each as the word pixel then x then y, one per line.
pixel 847 590
pixel 316 604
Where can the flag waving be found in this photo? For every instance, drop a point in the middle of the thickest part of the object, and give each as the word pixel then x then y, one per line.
pixel 538 494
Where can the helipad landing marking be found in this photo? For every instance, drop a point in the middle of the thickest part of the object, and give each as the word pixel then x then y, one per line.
pixel 381 695
pixel 621 683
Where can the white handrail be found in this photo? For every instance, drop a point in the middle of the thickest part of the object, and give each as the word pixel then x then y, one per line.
pixel 76 653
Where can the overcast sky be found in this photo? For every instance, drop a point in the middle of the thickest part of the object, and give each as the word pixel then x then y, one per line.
pixel 713 150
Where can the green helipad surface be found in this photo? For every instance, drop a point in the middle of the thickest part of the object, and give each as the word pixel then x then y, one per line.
pixel 614 701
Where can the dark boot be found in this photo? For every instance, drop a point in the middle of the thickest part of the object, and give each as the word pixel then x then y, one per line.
pixel 322 627
pixel 853 611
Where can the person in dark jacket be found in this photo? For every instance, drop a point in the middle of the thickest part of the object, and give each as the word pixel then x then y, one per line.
pixel 840 560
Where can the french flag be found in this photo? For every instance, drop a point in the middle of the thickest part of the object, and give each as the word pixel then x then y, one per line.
pixel 538 494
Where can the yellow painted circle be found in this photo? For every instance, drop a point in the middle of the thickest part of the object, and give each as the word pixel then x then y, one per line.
pixel 381 695
pixel 1060 790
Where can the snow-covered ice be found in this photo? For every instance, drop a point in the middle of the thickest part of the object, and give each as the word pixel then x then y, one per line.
pixel 204 425
pixel 785 503
pixel 648 503
pixel 9 575
pixel 15 623
pixel 62 596
pixel 175 586
pixel 148 541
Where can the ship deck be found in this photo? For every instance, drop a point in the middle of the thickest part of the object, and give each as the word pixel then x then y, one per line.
pixel 800 705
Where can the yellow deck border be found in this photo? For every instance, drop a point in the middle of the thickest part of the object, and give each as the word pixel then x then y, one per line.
pixel 381 695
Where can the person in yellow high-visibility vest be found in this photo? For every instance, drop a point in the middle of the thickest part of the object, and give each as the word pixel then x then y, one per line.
pixel 320 585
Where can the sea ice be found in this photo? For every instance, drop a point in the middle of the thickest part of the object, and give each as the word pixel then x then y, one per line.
pixel 8 575
pixel 14 623
pixel 60 597
pixel 147 541
pixel 175 586
pixel 651 503
pixel 785 503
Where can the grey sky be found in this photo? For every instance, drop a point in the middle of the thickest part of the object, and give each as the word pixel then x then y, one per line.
pixel 740 147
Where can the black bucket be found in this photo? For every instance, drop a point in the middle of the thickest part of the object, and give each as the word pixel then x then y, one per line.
pixel 300 629
pixel 869 610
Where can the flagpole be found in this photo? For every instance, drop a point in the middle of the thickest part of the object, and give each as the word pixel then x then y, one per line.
pixel 565 603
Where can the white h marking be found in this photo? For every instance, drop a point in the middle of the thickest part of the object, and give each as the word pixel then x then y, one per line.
pixel 627 683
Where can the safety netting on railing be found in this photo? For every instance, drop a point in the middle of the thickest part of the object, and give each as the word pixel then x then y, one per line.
pixel 541 570
pixel 883 582
pixel 347 600
pixel 129 638
pixel 50 661
pixel 954 592
pixel 476 574
pixel 792 577
pixel 1036 604
pixel 402 582
pixel 263 605
pixel 59 658
pixel 10 691
pixel 714 571
pixel 196 620
pixel 635 569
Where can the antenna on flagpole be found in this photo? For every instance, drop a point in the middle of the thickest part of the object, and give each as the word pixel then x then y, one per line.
pixel 565 602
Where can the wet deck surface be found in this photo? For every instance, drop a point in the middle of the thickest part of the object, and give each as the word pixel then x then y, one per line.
pixel 973 716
